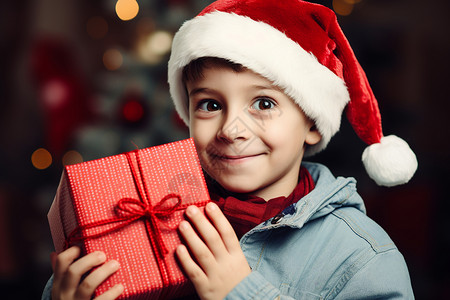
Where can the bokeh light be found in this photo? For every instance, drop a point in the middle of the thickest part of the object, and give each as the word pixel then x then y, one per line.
pixel 112 59
pixel 343 7
pixel 54 93
pixel 72 157
pixel 152 47
pixel 127 9
pixel 41 159
pixel 97 27
pixel 133 111
pixel 160 42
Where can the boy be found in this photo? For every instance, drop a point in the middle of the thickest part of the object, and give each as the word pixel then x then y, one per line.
pixel 262 83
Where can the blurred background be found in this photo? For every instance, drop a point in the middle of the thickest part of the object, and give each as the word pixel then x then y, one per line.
pixel 85 79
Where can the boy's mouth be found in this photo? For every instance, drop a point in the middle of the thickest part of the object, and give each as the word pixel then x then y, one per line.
pixel 234 158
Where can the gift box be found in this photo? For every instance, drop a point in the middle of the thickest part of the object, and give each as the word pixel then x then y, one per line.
pixel 129 206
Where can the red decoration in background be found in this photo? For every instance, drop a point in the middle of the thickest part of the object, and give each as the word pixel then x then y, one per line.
pixel 62 92
pixel 134 110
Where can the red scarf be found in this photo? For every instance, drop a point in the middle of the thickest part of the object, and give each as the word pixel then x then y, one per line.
pixel 245 212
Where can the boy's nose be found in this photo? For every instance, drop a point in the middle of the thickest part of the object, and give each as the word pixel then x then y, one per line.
pixel 235 127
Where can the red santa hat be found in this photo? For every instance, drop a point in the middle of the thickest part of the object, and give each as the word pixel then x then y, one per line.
pixel 300 47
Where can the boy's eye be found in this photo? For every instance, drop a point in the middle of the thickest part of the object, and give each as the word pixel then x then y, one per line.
pixel 263 104
pixel 209 105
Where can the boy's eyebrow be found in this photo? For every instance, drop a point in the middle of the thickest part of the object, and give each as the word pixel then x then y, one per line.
pixel 267 87
pixel 199 90
pixel 255 86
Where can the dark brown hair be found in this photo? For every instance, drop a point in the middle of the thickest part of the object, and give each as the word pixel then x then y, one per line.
pixel 194 70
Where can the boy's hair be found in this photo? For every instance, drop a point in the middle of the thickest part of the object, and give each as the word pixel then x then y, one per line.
pixel 194 70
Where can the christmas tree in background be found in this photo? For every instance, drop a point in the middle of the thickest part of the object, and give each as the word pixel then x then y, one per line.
pixel 124 101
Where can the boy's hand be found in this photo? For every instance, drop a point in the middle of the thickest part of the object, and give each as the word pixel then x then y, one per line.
pixel 220 263
pixel 68 271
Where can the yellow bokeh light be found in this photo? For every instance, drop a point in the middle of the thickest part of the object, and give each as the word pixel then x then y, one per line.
pixel 112 59
pixel 127 9
pixel 72 157
pixel 342 7
pixel 160 42
pixel 41 159
pixel 153 46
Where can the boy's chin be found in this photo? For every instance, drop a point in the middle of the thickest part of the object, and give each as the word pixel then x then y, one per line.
pixel 237 185
pixel 241 188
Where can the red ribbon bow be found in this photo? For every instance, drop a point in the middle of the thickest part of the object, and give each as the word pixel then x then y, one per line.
pixel 129 210
pixel 135 210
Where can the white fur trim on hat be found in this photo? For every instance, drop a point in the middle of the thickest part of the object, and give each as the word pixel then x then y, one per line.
pixel 320 93
pixel 390 162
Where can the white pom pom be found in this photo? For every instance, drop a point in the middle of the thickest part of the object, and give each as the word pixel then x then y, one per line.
pixel 390 162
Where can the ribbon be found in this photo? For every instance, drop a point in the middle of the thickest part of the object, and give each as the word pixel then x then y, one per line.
pixel 129 210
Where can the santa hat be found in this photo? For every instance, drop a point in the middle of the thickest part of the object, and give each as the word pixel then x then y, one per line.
pixel 300 47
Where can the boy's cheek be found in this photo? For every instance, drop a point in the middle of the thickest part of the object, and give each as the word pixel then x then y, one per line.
pixel 201 133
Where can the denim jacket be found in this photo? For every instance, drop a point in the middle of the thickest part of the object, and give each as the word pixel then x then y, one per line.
pixel 322 247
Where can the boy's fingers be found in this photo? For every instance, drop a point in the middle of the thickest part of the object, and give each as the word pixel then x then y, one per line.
pixel 206 230
pixel 224 228
pixel 60 264
pixel 65 259
pixel 94 279
pixel 112 293
pixel 78 268
pixel 193 271
pixel 198 248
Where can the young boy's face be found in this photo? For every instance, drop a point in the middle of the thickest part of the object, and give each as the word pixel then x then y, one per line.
pixel 250 136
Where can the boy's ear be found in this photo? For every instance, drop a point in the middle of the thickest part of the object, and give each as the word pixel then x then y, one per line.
pixel 313 136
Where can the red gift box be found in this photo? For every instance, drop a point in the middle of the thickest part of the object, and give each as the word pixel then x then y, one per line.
pixel 129 206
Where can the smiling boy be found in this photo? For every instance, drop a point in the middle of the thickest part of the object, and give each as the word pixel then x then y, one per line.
pixel 249 134
pixel 261 85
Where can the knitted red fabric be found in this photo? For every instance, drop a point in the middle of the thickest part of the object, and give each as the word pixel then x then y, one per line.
pixel 245 212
